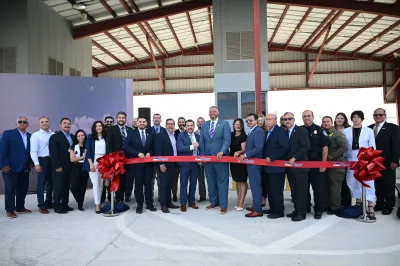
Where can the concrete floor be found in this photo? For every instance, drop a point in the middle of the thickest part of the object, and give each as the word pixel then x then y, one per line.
pixel 195 238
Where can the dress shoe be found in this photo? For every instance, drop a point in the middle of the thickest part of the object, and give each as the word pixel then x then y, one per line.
pixel 11 215
pixel 250 209
pixel 81 209
pixel 223 211
pixel 139 210
pixel 164 209
pixel 174 198
pixel 193 206
pixel 151 208
pixel 318 215
pixel 254 214
pixel 201 199
pixel 24 211
pixel 69 209
pixel 211 207
pixel 398 212
pixel 275 215
pixel 127 199
pixel 183 208
pixel 172 206
pixel 298 218
pixel 267 211
pixel 378 208
pixel 291 215
pixel 331 212
pixel 61 212
pixel 98 212
pixel 43 211
pixel 387 212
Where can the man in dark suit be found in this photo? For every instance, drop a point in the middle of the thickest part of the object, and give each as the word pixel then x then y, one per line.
pixel 387 139
pixel 275 148
pixel 174 190
pixel 139 144
pixel 15 163
pixel 115 139
pixel 254 149
pixel 165 145
pixel 299 145
pixel 188 145
pixel 59 150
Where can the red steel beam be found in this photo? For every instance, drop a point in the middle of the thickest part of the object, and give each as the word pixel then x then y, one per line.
pixel 126 7
pixel 384 83
pixel 100 62
pixel 393 89
pixel 107 52
pixel 174 92
pixel 342 27
pixel 155 63
pixel 383 47
pixel 322 24
pixel 257 55
pixel 278 25
pixel 307 69
pixel 372 22
pixel 394 25
pixel 88 30
pixel 156 38
pixel 121 46
pixel 345 5
pixel 396 74
pixel 210 23
pixel 168 66
pixel 133 4
pixel 390 55
pixel 175 78
pixel 325 28
pixel 298 26
pixel 192 29
pixel 159 3
pixel 318 56
pixel 137 40
pixel 163 72
pixel 173 33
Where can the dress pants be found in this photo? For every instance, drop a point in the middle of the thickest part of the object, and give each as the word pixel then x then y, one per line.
pixel 188 173
pixel 166 183
pixel 79 180
pixel 265 184
pixel 202 184
pixel 44 181
pixel 16 187
pixel 335 178
pixel 217 175
pixel 174 188
pixel 254 172
pixel 276 185
pixel 143 177
pixel 97 182
pixel 386 189
pixel 130 179
pixel 346 194
pixel 317 180
pixel 298 181
pixel 120 193
pixel 61 185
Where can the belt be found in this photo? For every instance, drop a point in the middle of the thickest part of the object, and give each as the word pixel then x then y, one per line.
pixel 44 157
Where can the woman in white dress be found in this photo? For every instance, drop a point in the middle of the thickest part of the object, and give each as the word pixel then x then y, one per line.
pixel 359 136
pixel 96 148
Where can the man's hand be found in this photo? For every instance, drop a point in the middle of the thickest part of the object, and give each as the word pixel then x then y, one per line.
pixel 241 158
pixel 393 165
pixel 291 161
pixel 219 155
pixel 195 145
pixel 147 154
pixel 59 170
pixel 38 168
pixel 141 155
pixel 268 160
pixel 200 163
pixel 163 168
pixel 322 170
pixel 6 169
pixel 236 154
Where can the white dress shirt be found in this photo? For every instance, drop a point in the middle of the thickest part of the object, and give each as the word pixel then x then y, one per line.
pixel 40 145
pixel 193 139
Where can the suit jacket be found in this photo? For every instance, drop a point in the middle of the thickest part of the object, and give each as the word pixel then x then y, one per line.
pixel 114 138
pixel 163 147
pixel 299 145
pixel 366 140
pixel 133 144
pixel 388 141
pixel 152 130
pixel 13 152
pixel 276 147
pixel 90 151
pixel 221 140
pixel 177 133
pixel 255 143
pixel 59 150
pixel 183 146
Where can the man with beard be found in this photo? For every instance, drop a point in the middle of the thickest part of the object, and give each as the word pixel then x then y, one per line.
pixel 181 129
pixel 201 178
pixel 135 123
pixel 109 121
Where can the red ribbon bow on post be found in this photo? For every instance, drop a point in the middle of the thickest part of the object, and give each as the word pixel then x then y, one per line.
pixel 368 166
pixel 112 166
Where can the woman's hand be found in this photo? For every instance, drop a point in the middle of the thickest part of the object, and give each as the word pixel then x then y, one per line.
pixel 92 168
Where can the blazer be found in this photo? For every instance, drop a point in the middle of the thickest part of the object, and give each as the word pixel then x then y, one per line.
pixel 163 147
pixel 220 142
pixel 255 143
pixel 299 145
pixel 59 150
pixel 133 144
pixel 114 138
pixel 13 152
pixel 152 130
pixel 388 141
pixel 183 146
pixel 366 140
pixel 276 147
pixel 90 151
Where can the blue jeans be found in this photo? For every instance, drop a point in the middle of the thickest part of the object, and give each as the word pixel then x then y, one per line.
pixel 44 179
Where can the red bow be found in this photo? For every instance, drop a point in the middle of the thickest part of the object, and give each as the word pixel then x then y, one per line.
pixel 112 166
pixel 368 166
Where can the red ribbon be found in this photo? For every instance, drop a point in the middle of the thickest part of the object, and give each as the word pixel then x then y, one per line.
pixel 368 166
pixel 112 166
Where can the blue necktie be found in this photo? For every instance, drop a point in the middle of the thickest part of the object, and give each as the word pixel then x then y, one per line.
pixel 212 130
pixel 143 138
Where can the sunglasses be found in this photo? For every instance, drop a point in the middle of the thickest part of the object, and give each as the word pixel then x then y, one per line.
pixel 23 122
pixel 380 115
pixel 288 119
pixel 249 120
pixel 109 122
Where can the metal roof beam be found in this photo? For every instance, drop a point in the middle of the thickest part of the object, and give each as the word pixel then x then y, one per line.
pixel 298 26
pixel 322 24
pixel 342 27
pixel 121 46
pixel 318 56
pixel 385 46
pixel 137 40
pixel 100 62
pixel 210 23
pixel 325 28
pixel 278 25
pixel 173 33
pixel 107 52
pixel 155 63
pixel 192 29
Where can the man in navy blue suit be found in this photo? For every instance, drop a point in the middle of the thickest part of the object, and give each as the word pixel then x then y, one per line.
pixel 254 149
pixel 15 163
pixel 188 145
pixel 276 148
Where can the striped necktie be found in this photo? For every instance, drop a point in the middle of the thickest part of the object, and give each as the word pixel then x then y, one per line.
pixel 212 129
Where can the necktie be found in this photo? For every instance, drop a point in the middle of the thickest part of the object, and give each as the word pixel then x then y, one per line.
pixel 287 132
pixel 212 129
pixel 193 140
pixel 143 138
pixel 157 130
pixel 269 132
pixel 123 134
pixel 376 130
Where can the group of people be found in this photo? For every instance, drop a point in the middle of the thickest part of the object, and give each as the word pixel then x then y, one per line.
pixel 64 162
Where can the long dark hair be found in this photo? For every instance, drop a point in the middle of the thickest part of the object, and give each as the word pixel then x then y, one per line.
pixel 242 132
pixel 76 137
pixel 346 121
pixel 94 132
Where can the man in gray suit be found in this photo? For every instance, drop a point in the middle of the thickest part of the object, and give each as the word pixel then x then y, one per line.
pixel 215 139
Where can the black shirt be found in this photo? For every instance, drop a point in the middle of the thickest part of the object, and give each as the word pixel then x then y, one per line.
pixel 236 143
pixel 356 137
pixel 318 140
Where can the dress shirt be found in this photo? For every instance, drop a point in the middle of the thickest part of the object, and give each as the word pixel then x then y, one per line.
pixel 40 145
pixel 291 130
pixel 122 127
pixel 68 136
pixel 157 129
pixel 173 142
pixel 251 130
pixel 215 124
pixel 197 132
pixel 193 139
pixel 269 132
pixel 24 138
pixel 379 127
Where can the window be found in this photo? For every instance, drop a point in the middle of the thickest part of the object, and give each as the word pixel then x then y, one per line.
pixel 240 45
pixel 248 103
pixel 8 60
pixel 227 105
pixel 74 73
pixel 56 68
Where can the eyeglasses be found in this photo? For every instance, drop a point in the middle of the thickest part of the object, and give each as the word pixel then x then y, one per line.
pixel 380 115
pixel 249 120
pixel 23 122
pixel 109 122
pixel 288 119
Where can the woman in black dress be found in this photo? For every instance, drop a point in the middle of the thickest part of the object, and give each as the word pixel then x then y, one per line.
pixel 239 171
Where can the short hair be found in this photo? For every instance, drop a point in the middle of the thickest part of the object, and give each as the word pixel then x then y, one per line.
pixel 288 113
pixel 181 118
pixel 109 117
pixel 156 114
pixel 327 116
pixel 44 117
pixel 213 106
pixel 140 117
pixel 274 116
pixel 359 113
pixel 200 118
pixel 21 117
pixel 121 113
pixel 254 115
pixel 64 118
pixel 190 121
pixel 169 119
pixel 312 113
pixel 384 111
